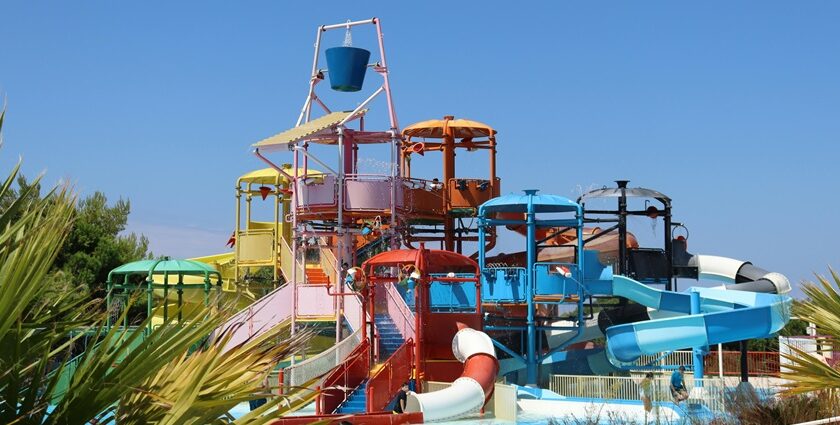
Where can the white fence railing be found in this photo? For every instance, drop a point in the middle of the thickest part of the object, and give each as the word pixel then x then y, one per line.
pixel 682 358
pixel 712 393
pixel 318 365
pixel 813 346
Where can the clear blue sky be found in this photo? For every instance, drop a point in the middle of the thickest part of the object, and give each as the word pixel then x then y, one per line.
pixel 731 108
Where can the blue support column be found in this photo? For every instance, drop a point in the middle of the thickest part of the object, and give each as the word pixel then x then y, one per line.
pixel 531 240
pixel 481 243
pixel 698 352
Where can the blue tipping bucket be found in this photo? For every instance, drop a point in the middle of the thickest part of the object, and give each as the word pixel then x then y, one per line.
pixel 347 66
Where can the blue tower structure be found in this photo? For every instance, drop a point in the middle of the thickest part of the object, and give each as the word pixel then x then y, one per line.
pixel 537 282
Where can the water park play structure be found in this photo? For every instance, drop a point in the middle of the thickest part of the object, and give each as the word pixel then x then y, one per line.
pixel 350 253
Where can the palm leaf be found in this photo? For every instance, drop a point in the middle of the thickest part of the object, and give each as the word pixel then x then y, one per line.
pixel 141 376
pixel 822 307
pixel 204 386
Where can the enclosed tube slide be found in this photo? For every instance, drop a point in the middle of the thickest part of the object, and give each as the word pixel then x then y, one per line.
pixel 743 274
pixel 471 390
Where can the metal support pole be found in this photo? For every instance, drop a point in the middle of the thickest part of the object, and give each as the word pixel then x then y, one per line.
pixel 481 243
pixel 697 351
pixel 345 142
pixel 392 114
pixel 313 79
pixel 622 228
pixel 108 288
pixel 165 296
pixel 149 300
pixel 448 146
pixel 293 242
pixel 745 368
pixel 348 24
pixel 531 356
pixel 395 186
pixel 180 298
pixel 206 290
pixel 669 248
pixel 275 252
pixel 236 237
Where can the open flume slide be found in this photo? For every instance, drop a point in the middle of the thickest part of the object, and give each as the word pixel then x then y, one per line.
pixel 725 316
pixel 471 390
pixel 260 316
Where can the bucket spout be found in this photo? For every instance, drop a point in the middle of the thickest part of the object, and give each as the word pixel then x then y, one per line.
pixel 347 67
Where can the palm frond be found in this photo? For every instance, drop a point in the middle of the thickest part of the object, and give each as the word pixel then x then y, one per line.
pixel 202 387
pixel 139 375
pixel 808 372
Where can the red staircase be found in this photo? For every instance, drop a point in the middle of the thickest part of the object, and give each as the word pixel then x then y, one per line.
pixel 316 276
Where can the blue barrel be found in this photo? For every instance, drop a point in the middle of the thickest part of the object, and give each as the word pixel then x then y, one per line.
pixel 347 66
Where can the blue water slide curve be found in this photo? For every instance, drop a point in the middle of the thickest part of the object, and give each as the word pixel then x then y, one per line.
pixel 725 316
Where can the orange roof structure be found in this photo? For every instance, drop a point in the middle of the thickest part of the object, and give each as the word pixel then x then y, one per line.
pixel 437 129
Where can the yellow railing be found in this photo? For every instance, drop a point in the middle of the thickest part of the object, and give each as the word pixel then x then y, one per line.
pixel 288 262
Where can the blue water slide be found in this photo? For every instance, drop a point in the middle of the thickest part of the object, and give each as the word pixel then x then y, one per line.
pixel 724 316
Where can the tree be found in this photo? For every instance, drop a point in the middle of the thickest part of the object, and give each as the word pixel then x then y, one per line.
pixel 95 245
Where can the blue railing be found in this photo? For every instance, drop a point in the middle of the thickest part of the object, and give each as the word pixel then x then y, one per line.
pixel 552 279
pixel 452 296
pixel 372 248
pixel 503 284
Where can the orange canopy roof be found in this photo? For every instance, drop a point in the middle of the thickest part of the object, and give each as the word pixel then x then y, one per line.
pixel 460 128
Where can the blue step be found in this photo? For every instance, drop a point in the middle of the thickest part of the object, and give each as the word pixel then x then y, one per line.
pixel 389 336
pixel 356 402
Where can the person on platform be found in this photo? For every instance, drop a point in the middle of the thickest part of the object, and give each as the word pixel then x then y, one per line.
pixel 401 399
pixel 646 391
pixel 678 390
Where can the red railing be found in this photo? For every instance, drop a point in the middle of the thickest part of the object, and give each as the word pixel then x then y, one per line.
pixel 387 381
pixel 760 363
pixel 341 381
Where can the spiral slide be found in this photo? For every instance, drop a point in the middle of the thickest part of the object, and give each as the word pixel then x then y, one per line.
pixel 468 393
pixel 724 316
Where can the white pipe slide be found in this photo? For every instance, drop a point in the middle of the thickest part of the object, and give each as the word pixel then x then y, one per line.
pixel 732 271
pixel 468 393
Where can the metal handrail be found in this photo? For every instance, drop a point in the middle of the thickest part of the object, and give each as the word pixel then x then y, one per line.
pixel 408 316
pixel 306 206
pixel 380 178
pixel 339 379
pixel 285 264
pixel 762 363
pixel 303 371
pixel 400 359
pixel 328 261
pixel 362 252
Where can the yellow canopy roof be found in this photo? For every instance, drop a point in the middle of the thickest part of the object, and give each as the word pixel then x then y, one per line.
pixel 320 129
pixel 272 176
pixel 461 128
